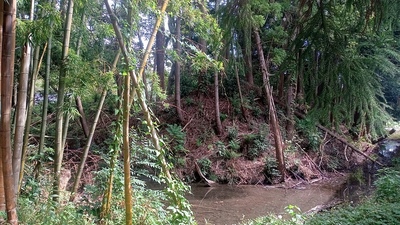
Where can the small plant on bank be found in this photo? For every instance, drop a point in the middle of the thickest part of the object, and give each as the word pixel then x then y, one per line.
pixel 225 152
pixel 177 138
pixel 308 129
pixel 294 213
pixel 388 186
pixel 232 133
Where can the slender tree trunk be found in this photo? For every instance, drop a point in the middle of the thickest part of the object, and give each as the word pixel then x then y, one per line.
pixel 216 91
pixel 21 112
pixel 125 125
pixel 36 65
pixel 45 104
pixel 242 108
pixel 248 62
pixel 203 48
pixel 216 104
pixel 290 104
pixel 116 148
pixel 82 117
pixel 7 74
pixel 87 146
pixel 178 49
pixel 149 47
pixel 78 101
pixel 145 109
pixel 160 52
pixel 271 106
pixel 66 119
pixel 2 196
pixel 60 102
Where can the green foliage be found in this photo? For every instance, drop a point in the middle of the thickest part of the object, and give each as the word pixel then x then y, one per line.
pixel 234 145
pixel 51 213
pixel 368 213
pixel 271 167
pixel 177 138
pixel 307 127
pixel 232 133
pixel 224 152
pixel 381 209
pixel 293 212
pixel 205 165
pixel 388 186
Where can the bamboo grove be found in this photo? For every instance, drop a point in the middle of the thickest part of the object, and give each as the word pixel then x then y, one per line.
pixel 335 61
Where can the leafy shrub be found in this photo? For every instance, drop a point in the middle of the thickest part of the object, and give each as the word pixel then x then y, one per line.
pixel 177 138
pixel 369 213
pixel 309 130
pixel 225 152
pixel 205 166
pixel 388 186
pixel 294 213
pixel 232 133
pixel 49 212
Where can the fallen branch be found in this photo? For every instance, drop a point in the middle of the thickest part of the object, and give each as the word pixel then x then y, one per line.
pixel 320 208
pixel 198 170
pixel 344 141
pixel 348 144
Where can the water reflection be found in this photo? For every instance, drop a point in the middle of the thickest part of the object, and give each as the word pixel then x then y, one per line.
pixel 233 204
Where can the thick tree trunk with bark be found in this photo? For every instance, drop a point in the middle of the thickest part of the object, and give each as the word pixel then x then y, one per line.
pixel 7 74
pixel 273 118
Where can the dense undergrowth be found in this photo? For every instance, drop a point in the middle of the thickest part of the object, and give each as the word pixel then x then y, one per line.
pixel 381 208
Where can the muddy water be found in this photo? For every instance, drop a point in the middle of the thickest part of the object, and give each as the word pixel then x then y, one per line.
pixel 234 204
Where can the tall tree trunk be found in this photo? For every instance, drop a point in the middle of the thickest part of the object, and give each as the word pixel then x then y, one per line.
pixel 148 49
pixel 176 199
pixel 45 103
pixel 21 112
pixel 87 146
pixel 178 49
pixel 60 101
pixel 279 148
pixel 36 65
pixel 116 147
pixel 203 48
pixel 290 104
pixel 21 106
pixel 125 118
pixel 242 108
pixel 2 196
pixel 216 91
pixel 78 101
pixel 7 74
pixel 216 104
pixel 247 57
pixel 160 52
